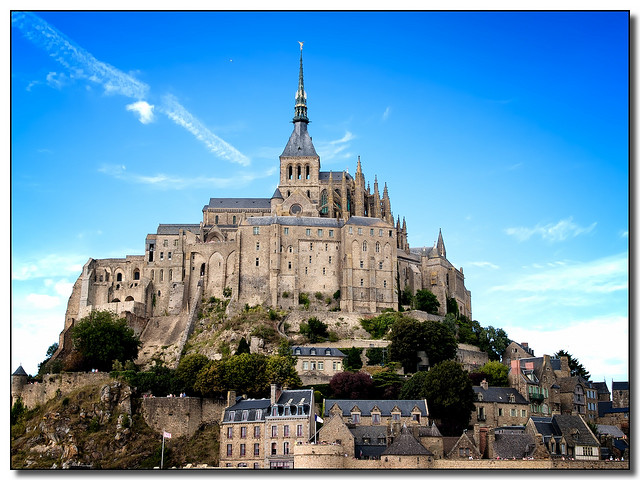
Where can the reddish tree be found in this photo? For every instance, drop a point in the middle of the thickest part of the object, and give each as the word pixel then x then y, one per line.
pixel 351 385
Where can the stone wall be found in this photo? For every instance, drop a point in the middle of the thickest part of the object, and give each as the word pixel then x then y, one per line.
pixel 53 385
pixel 181 416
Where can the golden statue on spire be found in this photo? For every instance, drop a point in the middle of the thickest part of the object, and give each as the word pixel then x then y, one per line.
pixel 300 45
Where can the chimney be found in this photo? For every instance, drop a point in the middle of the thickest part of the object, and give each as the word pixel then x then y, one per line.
pixel 231 398
pixel 564 365
pixel 484 384
pixel 525 345
pixel 275 393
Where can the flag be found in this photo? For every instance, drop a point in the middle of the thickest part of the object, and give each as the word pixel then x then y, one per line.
pixel 319 420
pixel 166 435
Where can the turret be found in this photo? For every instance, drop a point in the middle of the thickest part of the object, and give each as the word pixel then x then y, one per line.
pixel 386 205
pixel 359 200
pixel 440 245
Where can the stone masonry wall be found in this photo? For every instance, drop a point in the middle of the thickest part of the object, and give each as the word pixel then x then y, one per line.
pixel 181 416
pixel 57 384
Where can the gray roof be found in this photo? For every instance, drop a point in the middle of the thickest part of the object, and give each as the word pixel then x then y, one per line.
pixel 372 432
pixel 406 444
pixel 607 407
pixel 368 222
pixel 174 229
pixel 385 406
pixel 422 251
pixel 251 405
pixel 294 221
pixel 299 144
pixel 296 397
pixel 612 430
pixel 277 194
pixel 239 203
pixel 499 395
pixel 514 445
pixel 20 371
pixel 619 385
pixel 601 387
pixel 336 176
pixel 574 430
pixel 319 351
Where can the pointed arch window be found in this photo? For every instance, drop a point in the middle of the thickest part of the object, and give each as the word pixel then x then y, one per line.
pixel 324 200
pixel 307 172
pixel 290 172
pixel 299 172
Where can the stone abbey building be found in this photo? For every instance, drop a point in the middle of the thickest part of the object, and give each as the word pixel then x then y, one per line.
pixel 319 232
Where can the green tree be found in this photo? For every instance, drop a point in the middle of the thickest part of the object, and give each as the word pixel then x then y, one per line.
pixel 452 307
pixel 281 370
pixel 352 361
pixel 496 373
pixel 210 381
pixel 314 329
pixel 378 326
pixel 438 342
pixel 406 339
pixel 387 385
pixel 188 370
pixel 449 394
pixel 427 302
pixel 576 368
pixel 243 347
pixel 247 373
pixel 101 338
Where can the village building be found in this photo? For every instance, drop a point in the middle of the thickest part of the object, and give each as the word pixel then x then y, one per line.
pixel 566 436
pixel 317 365
pixel 498 406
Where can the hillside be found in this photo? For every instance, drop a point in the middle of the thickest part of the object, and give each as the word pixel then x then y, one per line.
pixel 101 427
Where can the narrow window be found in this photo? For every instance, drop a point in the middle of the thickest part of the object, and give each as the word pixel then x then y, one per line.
pixel 319 232
pixel 307 172
pixel 330 233
pixel 229 450
pixel 257 246
pixel 256 230
pixel 234 219
pixel 216 221
pixel 257 262
pixel 299 172
pixel 290 173
pixel 256 449
pixel 286 230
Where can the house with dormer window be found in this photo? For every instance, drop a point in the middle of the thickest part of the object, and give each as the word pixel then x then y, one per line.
pixel 498 406
pixel 317 365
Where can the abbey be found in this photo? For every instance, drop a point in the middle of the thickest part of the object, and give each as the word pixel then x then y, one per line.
pixel 320 231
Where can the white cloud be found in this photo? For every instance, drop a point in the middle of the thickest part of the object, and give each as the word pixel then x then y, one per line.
pixel 176 112
pixel 50 266
pixel 57 80
pixel 580 280
pixel 386 113
pixel 42 302
pixel 143 110
pixel 335 148
pixel 600 343
pixel 557 232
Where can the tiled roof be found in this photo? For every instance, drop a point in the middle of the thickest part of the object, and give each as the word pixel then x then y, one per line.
pixel 385 406
pixel 174 229
pixel 499 395
pixel 319 351
pixel 240 203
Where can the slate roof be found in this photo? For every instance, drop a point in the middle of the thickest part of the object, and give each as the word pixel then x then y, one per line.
pixel 367 222
pixel 429 431
pixel 299 144
pixel 296 397
pixel 406 444
pixel 385 406
pixel 574 430
pixel 20 371
pixel 295 221
pixel 239 203
pixel 277 194
pixel 601 387
pixel 499 395
pixel 336 176
pixel 612 430
pixel 607 407
pixel 619 385
pixel 251 405
pixel 514 445
pixel 422 251
pixel 320 351
pixel 174 229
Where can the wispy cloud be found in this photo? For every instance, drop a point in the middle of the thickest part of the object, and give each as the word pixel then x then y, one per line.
pixel 176 112
pixel 577 283
pixel 81 65
pixel 50 266
pixel 552 232
pixel 490 265
pixel 335 148
pixel 386 114
pixel 169 182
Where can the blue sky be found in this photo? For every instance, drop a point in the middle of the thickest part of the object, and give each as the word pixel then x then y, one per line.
pixel 507 130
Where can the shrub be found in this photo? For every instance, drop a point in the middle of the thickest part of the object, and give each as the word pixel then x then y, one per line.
pixel 303 299
pixel 313 329
pixel 319 295
pixel 285 294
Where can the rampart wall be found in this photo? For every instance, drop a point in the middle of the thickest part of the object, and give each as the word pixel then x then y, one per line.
pixel 52 385
pixel 181 416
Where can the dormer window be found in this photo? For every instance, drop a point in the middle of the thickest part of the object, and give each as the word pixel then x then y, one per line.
pixel 274 411
pixel 312 351
pixel 298 351
pixel 355 417
pixel 232 416
pixel 327 352
pixel 512 398
pixel 245 415
pixel 395 417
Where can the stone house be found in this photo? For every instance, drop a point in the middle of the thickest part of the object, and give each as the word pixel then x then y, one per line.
pixel 578 396
pixel 463 447
pixel 536 378
pixel 498 406
pixel 316 365
pixel 603 391
pixel 620 396
pixel 320 232
pixel 566 436
pixel 389 413
pixel 516 351
pixel 262 433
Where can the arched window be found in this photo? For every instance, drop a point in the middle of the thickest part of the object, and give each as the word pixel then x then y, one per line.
pixel 202 270
pixel 377 247
pixel 290 172
pixel 307 172
pixel 364 246
pixel 299 172
pixel 136 274
pixel 119 277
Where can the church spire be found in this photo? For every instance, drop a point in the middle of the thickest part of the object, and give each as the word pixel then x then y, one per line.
pixel 301 96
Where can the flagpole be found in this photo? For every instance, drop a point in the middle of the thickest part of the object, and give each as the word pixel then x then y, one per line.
pixel 162 457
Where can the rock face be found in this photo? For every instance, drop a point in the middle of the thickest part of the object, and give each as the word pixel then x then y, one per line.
pixel 67 436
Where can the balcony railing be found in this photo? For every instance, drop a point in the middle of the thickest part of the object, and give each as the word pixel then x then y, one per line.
pixel 536 397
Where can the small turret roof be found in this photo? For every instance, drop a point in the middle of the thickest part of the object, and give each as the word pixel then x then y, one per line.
pixel 20 371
